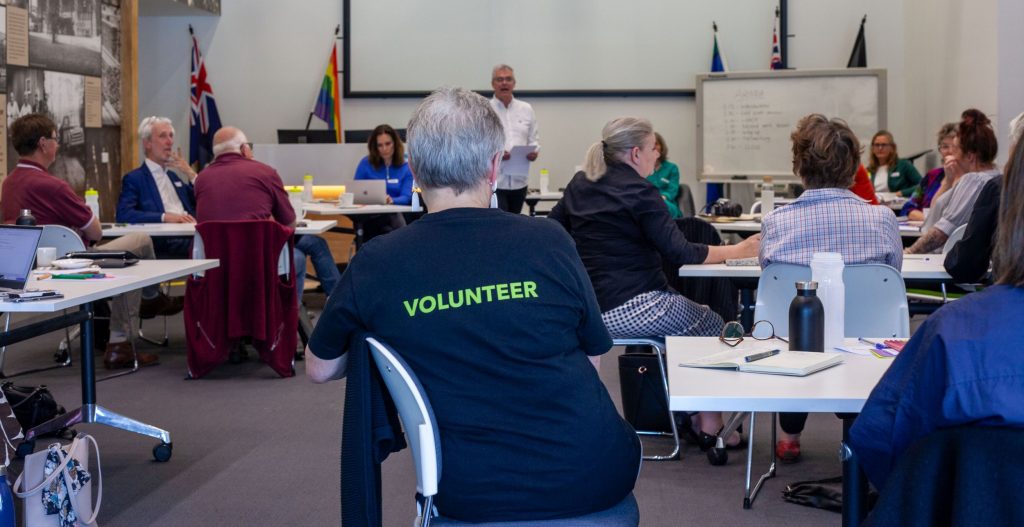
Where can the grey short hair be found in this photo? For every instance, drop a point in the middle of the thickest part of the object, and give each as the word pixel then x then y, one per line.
pixel 499 67
pixel 453 136
pixel 232 144
pixel 146 126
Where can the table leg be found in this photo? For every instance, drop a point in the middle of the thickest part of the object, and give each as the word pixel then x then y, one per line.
pixel 855 483
pixel 90 412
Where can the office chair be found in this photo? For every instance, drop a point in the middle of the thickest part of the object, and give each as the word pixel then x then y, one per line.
pixel 422 434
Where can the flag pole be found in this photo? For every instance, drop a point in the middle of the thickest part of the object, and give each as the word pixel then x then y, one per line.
pixel 309 119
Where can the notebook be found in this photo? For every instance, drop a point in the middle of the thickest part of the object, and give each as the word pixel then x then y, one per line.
pixel 795 363
pixel 369 191
pixel 18 245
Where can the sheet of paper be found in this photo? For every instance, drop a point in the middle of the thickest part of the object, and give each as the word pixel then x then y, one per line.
pixel 93 103
pixel 17 36
pixel 857 349
pixel 517 162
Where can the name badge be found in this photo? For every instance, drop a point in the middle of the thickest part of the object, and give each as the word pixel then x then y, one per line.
pixel 392 181
pixel 177 184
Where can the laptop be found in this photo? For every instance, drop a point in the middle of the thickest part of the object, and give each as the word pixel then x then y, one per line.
pixel 369 191
pixel 18 245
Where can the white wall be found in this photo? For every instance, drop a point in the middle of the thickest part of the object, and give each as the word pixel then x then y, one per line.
pixel 266 59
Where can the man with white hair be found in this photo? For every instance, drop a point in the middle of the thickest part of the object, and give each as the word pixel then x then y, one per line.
pixel 520 125
pixel 160 190
pixel 495 314
pixel 237 187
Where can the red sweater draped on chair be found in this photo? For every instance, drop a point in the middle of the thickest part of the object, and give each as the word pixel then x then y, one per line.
pixel 244 297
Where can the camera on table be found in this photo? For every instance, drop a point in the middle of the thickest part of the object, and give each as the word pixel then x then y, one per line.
pixel 724 207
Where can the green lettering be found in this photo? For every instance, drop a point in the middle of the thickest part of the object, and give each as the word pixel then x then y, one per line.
pixel 452 301
pixel 411 308
pixel 423 304
pixel 502 291
pixel 472 296
pixel 530 289
pixel 515 289
pixel 487 289
pixel 441 306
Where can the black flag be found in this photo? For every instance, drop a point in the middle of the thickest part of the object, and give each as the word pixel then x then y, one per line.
pixel 859 55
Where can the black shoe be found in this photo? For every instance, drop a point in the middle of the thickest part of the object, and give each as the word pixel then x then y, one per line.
pixel 238 354
pixel 161 305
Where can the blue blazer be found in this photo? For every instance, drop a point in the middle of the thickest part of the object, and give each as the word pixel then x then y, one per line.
pixel 140 200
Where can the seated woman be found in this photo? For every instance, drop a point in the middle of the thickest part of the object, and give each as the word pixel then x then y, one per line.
pixel 862 186
pixel 495 315
pixel 623 230
pixel 827 217
pixel 386 160
pixel 963 366
pixel 924 193
pixel 666 177
pixel 889 173
pixel 967 169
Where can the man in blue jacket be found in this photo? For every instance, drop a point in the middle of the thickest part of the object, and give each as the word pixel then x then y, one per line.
pixel 159 191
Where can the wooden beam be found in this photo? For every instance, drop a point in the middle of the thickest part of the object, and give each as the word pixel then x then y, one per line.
pixel 129 84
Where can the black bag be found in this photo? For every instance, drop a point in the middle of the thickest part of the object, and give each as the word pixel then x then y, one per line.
pixel 644 402
pixel 32 405
pixel 821 494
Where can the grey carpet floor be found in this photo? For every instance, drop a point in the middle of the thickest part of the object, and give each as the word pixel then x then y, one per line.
pixel 253 449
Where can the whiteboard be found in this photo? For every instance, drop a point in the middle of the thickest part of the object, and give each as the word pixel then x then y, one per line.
pixel 554 45
pixel 744 120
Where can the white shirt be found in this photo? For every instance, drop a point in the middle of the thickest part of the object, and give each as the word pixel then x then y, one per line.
pixel 520 125
pixel 882 179
pixel 172 203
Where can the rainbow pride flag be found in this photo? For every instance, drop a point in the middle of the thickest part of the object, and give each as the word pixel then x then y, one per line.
pixel 328 104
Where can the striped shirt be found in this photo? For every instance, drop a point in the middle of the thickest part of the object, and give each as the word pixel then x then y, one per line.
pixel 831 220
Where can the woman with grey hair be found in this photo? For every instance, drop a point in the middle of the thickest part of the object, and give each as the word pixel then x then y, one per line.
pixel 623 230
pixel 495 315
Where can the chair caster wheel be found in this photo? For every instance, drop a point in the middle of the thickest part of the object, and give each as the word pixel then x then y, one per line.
pixel 25 448
pixel 162 452
pixel 718 456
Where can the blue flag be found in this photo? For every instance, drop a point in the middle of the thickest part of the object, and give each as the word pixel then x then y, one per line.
pixel 203 120
pixel 718 64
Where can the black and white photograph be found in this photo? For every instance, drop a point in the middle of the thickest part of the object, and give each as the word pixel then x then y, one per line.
pixel 64 94
pixel 101 156
pixel 3 48
pixel 64 35
pixel 24 92
pixel 111 36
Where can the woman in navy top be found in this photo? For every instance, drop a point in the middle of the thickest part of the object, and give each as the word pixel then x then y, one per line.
pixel 386 161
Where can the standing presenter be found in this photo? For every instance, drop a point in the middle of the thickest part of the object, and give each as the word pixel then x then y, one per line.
pixel 520 124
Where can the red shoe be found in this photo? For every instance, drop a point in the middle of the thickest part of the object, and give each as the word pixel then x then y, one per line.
pixel 788 451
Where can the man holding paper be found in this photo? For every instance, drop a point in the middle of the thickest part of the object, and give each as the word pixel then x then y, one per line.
pixel 521 140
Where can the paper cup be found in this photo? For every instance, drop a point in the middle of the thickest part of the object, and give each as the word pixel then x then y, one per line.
pixel 347 199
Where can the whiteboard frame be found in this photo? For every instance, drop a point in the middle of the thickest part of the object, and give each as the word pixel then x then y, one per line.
pixel 778 177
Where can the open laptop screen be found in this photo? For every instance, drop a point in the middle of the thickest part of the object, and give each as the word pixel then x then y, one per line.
pixel 18 247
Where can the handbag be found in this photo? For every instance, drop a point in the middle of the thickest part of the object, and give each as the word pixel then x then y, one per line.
pixel 644 401
pixel 821 494
pixel 62 497
pixel 32 405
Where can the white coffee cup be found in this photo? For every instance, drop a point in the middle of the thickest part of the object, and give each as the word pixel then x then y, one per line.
pixel 45 256
pixel 346 199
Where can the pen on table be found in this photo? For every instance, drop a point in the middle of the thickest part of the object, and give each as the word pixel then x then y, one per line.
pixel 762 355
pixel 877 345
pixel 80 276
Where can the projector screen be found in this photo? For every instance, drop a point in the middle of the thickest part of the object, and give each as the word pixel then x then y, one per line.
pixel 397 46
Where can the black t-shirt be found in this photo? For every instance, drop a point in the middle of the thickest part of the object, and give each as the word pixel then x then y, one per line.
pixel 496 316
pixel 623 229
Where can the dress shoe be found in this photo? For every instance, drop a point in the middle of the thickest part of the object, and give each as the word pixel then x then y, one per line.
pixel 123 355
pixel 161 305
pixel 788 451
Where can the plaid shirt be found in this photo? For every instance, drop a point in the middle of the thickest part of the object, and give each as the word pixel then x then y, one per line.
pixel 831 220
